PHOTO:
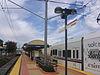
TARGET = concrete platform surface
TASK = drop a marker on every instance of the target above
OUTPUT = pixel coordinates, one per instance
(29, 67)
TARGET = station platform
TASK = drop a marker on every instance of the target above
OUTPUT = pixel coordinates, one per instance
(29, 67)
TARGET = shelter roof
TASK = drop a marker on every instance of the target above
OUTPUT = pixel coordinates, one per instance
(35, 45)
(36, 42)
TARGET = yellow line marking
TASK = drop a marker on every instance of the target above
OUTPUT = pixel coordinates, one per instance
(16, 68)
(87, 73)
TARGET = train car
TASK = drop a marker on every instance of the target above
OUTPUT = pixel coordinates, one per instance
(92, 53)
(18, 52)
(83, 53)
(74, 53)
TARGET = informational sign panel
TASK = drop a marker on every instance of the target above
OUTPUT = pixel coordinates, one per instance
(92, 55)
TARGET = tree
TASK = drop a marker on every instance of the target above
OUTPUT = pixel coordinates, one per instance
(11, 46)
(1, 42)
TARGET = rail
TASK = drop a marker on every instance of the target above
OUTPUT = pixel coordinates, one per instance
(4, 70)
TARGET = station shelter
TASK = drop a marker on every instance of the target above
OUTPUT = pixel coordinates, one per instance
(34, 48)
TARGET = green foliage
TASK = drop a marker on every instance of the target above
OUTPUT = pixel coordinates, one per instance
(46, 67)
(1, 42)
(11, 46)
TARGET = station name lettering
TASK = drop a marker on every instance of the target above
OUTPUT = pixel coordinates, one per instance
(94, 44)
(94, 54)
(93, 50)
(94, 66)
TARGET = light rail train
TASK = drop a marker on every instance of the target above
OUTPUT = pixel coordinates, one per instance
(83, 53)
(19, 51)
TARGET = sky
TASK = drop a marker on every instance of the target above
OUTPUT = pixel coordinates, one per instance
(22, 26)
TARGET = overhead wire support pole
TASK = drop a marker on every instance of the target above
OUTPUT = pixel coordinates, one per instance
(45, 33)
(26, 9)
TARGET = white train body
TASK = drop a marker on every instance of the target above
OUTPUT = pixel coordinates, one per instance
(83, 54)
(92, 53)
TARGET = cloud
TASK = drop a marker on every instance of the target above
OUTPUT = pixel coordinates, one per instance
(17, 29)
(86, 21)
(28, 27)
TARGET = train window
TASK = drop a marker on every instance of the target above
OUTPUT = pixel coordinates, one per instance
(73, 53)
(55, 51)
(77, 53)
(63, 53)
(59, 53)
(51, 53)
(69, 54)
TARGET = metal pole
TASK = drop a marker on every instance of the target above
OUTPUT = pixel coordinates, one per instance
(45, 34)
(82, 53)
(65, 44)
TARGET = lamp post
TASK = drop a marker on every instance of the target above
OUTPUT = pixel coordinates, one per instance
(64, 13)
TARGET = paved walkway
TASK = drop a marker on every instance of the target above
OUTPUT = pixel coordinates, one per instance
(29, 67)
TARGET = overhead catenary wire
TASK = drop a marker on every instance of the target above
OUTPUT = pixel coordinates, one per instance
(7, 21)
(1, 2)
(3, 32)
(62, 2)
(65, 3)
(53, 17)
(10, 20)
(85, 5)
(82, 6)
(48, 1)
(11, 8)
(26, 9)
(3, 35)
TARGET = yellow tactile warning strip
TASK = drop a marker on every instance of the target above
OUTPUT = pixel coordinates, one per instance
(16, 68)
(87, 73)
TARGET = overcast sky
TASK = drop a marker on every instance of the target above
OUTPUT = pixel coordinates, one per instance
(21, 26)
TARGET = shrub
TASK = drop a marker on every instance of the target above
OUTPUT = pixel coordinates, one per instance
(46, 67)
